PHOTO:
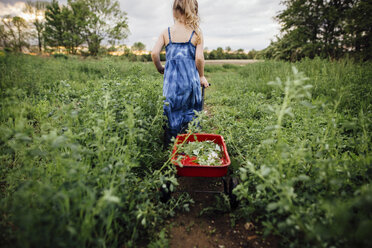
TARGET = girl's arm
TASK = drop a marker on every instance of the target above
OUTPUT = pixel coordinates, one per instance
(155, 53)
(199, 59)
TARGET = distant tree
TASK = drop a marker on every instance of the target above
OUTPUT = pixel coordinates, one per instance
(220, 53)
(138, 46)
(75, 16)
(20, 24)
(240, 50)
(4, 37)
(54, 25)
(90, 21)
(324, 28)
(252, 54)
(14, 32)
(37, 12)
(112, 49)
(301, 21)
(64, 25)
(126, 51)
(206, 54)
(359, 30)
(105, 21)
(213, 55)
(228, 49)
(332, 28)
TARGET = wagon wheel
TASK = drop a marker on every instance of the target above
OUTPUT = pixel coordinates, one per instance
(225, 186)
(165, 192)
(233, 199)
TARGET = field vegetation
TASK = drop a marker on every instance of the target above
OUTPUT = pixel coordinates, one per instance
(300, 139)
(82, 160)
(81, 148)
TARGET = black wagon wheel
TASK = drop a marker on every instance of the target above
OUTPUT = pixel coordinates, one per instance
(225, 185)
(165, 192)
(233, 182)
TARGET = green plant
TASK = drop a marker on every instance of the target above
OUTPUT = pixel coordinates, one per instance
(205, 152)
(80, 154)
(82, 162)
(300, 151)
(60, 55)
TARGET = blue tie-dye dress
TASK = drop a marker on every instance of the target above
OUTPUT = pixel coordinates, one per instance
(181, 86)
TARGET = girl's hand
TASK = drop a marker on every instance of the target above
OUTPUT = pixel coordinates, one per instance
(204, 82)
(155, 53)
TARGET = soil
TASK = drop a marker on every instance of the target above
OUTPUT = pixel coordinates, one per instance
(212, 228)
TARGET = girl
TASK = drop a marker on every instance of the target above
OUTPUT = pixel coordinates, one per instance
(184, 68)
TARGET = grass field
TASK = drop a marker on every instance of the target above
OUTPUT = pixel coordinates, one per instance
(82, 159)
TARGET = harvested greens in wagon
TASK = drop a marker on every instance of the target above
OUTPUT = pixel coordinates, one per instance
(202, 152)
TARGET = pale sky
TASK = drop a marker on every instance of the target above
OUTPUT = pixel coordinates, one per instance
(246, 24)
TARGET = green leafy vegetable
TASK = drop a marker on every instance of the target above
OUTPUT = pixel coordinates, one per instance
(206, 152)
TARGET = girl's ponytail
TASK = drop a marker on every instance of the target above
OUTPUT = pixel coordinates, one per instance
(188, 11)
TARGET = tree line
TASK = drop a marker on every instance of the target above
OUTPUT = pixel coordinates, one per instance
(79, 22)
(214, 54)
(310, 28)
(323, 28)
(228, 53)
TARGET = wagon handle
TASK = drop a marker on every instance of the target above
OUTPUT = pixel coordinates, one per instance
(203, 89)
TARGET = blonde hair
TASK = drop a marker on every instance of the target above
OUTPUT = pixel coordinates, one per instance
(189, 11)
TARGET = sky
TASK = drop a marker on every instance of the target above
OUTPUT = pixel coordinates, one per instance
(246, 24)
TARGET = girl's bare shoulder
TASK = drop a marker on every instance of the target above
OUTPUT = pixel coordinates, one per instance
(165, 36)
(165, 31)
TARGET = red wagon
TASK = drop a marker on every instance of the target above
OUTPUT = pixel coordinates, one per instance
(189, 168)
(192, 169)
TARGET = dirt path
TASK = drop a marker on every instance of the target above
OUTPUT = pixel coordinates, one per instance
(226, 61)
(213, 228)
(209, 222)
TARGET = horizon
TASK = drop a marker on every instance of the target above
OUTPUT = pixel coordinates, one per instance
(244, 25)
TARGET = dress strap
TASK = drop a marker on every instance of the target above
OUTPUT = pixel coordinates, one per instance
(192, 34)
(170, 40)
